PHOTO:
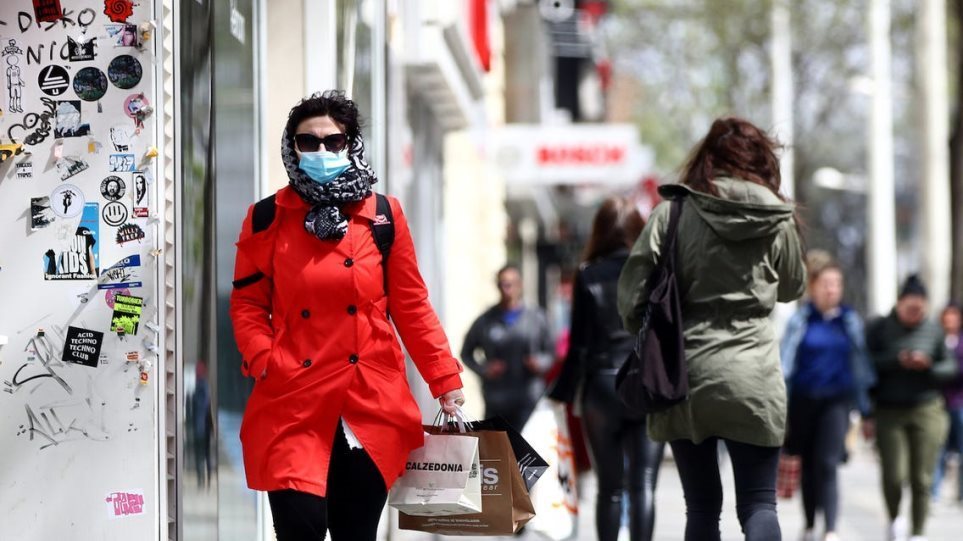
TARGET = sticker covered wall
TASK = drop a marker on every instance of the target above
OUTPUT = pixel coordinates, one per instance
(78, 270)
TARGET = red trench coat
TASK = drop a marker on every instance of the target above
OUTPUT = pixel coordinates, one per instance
(315, 334)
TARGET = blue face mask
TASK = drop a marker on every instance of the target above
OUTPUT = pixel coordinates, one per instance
(323, 166)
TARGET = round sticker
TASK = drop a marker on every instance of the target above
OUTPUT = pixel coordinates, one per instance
(114, 213)
(124, 71)
(134, 104)
(111, 293)
(67, 201)
(112, 188)
(90, 84)
(53, 80)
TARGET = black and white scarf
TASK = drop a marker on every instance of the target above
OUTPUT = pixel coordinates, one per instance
(325, 219)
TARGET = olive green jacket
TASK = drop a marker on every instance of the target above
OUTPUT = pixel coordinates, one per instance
(738, 255)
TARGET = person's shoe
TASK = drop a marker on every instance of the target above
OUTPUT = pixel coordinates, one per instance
(808, 535)
(830, 536)
(897, 530)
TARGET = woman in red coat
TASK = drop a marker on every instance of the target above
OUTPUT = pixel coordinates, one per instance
(331, 419)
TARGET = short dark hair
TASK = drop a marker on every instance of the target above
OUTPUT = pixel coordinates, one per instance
(508, 267)
(332, 103)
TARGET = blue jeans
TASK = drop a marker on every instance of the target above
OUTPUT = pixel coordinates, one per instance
(954, 442)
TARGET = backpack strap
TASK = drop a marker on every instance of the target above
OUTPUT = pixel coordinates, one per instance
(672, 233)
(383, 231)
(263, 214)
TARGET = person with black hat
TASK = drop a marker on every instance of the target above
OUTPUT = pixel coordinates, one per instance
(911, 361)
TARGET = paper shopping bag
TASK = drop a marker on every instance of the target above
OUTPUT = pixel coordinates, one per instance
(506, 506)
(441, 478)
(555, 497)
(530, 463)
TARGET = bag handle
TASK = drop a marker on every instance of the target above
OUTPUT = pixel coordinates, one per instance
(460, 419)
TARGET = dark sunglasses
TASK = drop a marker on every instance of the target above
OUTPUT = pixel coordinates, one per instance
(307, 142)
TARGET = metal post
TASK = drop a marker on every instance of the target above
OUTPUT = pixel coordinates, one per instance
(881, 263)
(931, 60)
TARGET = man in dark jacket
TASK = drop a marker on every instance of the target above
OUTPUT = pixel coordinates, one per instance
(912, 363)
(509, 347)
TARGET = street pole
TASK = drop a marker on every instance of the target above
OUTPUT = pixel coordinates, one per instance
(931, 60)
(881, 263)
(782, 118)
(782, 91)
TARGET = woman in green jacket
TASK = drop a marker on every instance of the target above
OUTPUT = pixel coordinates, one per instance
(738, 254)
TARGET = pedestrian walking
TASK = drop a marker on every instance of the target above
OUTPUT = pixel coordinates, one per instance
(912, 363)
(739, 253)
(828, 374)
(510, 347)
(953, 394)
(331, 420)
(598, 346)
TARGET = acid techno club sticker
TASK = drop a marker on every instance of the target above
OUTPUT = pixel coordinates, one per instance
(90, 84)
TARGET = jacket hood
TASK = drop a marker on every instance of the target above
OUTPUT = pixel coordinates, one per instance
(745, 210)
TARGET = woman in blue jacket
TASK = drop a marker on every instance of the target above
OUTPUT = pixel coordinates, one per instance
(828, 373)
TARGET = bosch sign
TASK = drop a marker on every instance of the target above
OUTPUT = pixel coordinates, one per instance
(570, 154)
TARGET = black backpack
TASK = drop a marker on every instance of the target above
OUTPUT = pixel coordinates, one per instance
(383, 232)
(656, 375)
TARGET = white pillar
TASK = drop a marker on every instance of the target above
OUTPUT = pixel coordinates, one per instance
(782, 91)
(931, 61)
(881, 244)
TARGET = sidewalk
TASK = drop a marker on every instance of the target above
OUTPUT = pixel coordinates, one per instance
(862, 514)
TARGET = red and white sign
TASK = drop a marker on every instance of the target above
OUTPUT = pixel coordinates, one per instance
(570, 154)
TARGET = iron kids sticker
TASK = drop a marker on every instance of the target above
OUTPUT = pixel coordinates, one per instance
(79, 259)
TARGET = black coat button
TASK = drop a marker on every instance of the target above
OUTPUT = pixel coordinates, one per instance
(348, 262)
(353, 359)
(306, 363)
(352, 309)
(305, 313)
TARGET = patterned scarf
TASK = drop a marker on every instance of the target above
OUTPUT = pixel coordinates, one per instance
(325, 219)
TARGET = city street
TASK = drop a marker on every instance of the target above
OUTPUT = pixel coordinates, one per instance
(862, 515)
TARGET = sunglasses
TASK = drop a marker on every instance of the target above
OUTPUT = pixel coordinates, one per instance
(307, 142)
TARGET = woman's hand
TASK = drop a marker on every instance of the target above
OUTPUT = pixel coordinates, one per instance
(451, 401)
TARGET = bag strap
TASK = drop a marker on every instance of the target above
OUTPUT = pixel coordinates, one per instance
(263, 214)
(383, 231)
(672, 234)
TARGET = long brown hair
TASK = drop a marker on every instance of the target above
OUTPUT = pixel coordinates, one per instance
(734, 147)
(616, 225)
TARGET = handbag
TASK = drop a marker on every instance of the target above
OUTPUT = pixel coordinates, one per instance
(655, 376)
(506, 505)
(530, 463)
(441, 478)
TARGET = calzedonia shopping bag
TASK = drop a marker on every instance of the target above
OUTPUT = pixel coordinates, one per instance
(506, 506)
(442, 477)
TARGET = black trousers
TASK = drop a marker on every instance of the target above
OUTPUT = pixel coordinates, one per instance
(817, 429)
(355, 498)
(616, 445)
(754, 469)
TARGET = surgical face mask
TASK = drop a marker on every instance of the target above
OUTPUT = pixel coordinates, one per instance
(323, 166)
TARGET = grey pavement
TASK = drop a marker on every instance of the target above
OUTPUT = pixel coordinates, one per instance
(862, 514)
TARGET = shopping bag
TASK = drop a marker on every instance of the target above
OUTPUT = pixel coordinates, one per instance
(530, 463)
(787, 477)
(506, 506)
(555, 498)
(441, 478)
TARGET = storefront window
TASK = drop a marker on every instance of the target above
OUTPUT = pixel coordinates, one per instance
(361, 68)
